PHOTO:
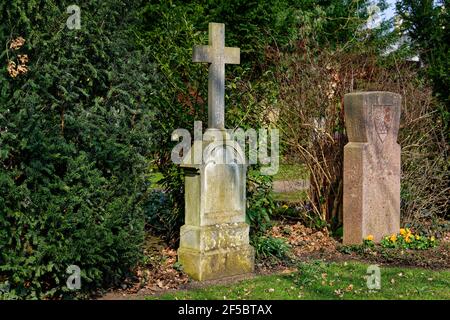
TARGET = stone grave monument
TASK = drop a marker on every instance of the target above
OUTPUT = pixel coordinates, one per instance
(214, 241)
(371, 166)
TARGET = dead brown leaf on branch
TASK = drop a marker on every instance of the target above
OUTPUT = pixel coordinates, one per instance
(20, 67)
(17, 43)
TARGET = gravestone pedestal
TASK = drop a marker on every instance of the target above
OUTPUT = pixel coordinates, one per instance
(214, 242)
(371, 166)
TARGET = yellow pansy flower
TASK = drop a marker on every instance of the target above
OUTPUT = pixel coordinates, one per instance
(393, 238)
(369, 237)
(402, 231)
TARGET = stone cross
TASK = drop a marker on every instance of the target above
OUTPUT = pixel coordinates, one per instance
(217, 55)
(214, 240)
(371, 166)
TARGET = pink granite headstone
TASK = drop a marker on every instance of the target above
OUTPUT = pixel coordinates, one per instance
(371, 166)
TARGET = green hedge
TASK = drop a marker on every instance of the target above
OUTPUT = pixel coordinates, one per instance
(75, 137)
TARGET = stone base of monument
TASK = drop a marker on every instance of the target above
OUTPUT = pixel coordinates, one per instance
(218, 263)
(372, 201)
(214, 242)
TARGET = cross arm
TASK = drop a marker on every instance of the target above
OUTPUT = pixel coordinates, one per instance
(201, 54)
(232, 55)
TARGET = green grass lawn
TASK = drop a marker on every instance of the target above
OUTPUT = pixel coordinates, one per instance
(292, 172)
(318, 280)
(295, 196)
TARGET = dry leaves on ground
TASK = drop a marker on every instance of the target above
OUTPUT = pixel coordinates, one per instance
(303, 239)
(159, 274)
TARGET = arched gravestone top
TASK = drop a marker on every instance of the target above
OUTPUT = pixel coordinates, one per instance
(216, 146)
(224, 152)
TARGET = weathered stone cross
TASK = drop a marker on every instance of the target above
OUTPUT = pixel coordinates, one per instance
(217, 55)
(214, 240)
